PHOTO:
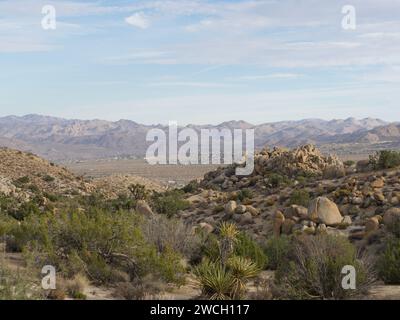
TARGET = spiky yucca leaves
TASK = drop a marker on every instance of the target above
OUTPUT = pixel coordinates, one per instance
(216, 281)
(228, 234)
(242, 271)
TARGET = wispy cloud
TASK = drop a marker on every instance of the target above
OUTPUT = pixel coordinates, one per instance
(139, 20)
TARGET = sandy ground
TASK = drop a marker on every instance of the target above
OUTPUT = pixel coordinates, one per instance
(165, 174)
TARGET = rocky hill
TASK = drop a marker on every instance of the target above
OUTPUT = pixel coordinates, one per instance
(24, 175)
(290, 193)
(62, 139)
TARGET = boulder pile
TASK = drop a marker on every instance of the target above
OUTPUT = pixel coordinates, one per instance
(306, 161)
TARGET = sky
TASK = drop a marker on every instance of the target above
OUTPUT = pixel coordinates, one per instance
(199, 61)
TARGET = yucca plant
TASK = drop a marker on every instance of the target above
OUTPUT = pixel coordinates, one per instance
(216, 281)
(228, 233)
(242, 270)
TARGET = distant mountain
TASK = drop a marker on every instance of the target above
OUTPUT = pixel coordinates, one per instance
(62, 139)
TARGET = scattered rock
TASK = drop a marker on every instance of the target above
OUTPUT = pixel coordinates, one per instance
(230, 207)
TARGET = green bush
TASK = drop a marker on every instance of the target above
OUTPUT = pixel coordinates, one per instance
(246, 247)
(385, 159)
(169, 203)
(245, 194)
(389, 263)
(191, 187)
(48, 178)
(313, 269)
(349, 163)
(300, 197)
(102, 244)
(277, 180)
(277, 249)
(20, 182)
(139, 192)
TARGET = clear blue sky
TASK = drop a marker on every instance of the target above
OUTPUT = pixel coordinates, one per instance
(198, 61)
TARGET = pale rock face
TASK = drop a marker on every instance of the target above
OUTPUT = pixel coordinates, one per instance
(230, 207)
(241, 209)
(378, 183)
(254, 212)
(323, 210)
(371, 225)
(206, 227)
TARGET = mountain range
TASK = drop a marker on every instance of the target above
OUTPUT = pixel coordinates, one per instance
(61, 139)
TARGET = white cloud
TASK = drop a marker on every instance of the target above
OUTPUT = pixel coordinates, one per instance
(138, 20)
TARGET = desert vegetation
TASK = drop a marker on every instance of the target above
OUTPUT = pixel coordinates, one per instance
(285, 232)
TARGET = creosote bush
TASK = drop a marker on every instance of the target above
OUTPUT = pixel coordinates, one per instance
(300, 197)
(313, 269)
(389, 262)
(107, 247)
(385, 159)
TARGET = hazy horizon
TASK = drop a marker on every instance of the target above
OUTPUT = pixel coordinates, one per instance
(196, 123)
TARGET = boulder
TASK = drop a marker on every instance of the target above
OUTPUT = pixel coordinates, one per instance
(240, 209)
(246, 218)
(323, 210)
(252, 210)
(372, 224)
(206, 227)
(230, 207)
(391, 216)
(296, 211)
(378, 183)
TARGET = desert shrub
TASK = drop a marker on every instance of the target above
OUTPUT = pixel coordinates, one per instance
(169, 203)
(171, 233)
(191, 187)
(75, 287)
(48, 178)
(246, 247)
(20, 182)
(123, 202)
(245, 194)
(99, 243)
(389, 263)
(139, 192)
(25, 210)
(139, 289)
(277, 180)
(17, 285)
(314, 265)
(300, 197)
(277, 249)
(333, 172)
(7, 204)
(385, 159)
(349, 163)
